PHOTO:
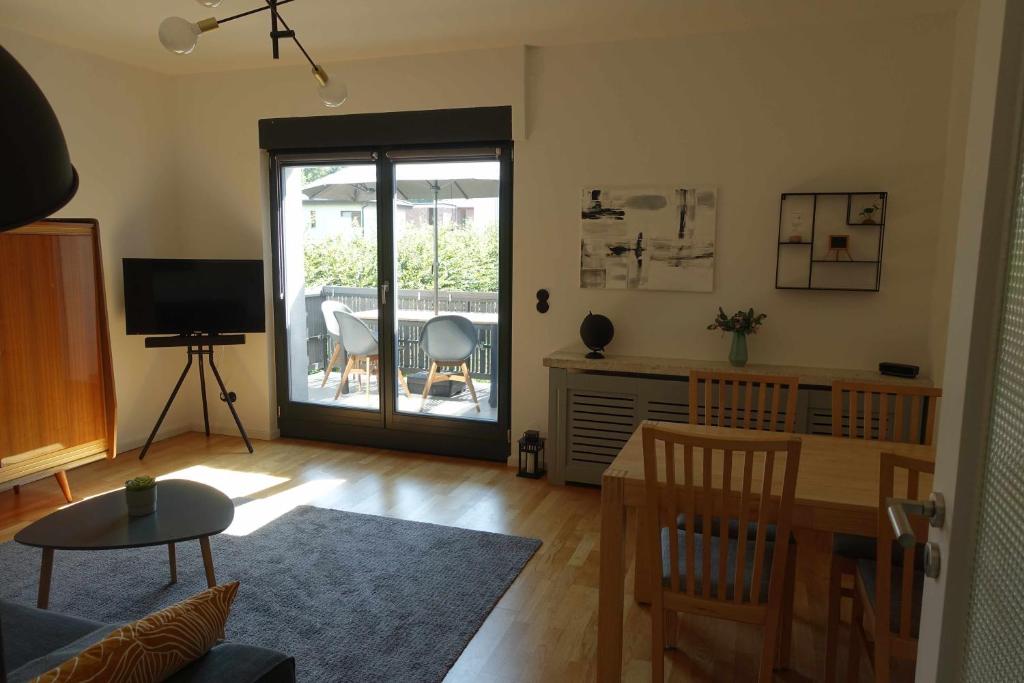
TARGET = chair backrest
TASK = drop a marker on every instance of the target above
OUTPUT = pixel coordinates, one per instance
(726, 399)
(448, 338)
(356, 337)
(751, 480)
(894, 485)
(887, 412)
(328, 308)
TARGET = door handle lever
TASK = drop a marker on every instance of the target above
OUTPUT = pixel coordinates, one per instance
(898, 508)
(384, 287)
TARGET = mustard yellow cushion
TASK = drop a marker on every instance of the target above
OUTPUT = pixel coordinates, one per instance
(155, 647)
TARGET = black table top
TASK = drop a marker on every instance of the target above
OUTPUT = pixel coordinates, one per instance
(185, 510)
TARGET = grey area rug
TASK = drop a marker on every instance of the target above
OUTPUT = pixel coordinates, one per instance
(352, 597)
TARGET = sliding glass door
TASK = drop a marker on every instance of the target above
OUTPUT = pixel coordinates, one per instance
(392, 269)
(446, 242)
(328, 235)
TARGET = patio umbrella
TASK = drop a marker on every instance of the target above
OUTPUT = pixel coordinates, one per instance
(415, 183)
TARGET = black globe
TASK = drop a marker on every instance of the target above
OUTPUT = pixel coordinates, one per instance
(597, 332)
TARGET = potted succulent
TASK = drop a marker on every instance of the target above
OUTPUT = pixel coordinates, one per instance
(740, 323)
(141, 495)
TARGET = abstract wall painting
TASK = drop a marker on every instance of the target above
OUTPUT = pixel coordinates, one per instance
(656, 238)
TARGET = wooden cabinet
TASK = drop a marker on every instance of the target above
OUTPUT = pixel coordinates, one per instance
(57, 405)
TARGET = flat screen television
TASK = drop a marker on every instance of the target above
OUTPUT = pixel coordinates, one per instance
(183, 296)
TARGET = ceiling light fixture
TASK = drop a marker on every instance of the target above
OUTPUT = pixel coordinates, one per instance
(181, 36)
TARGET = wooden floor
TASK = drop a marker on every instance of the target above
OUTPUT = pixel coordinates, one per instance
(545, 627)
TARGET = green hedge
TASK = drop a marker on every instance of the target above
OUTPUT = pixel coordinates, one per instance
(468, 260)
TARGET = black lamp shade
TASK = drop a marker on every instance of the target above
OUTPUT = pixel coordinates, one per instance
(40, 178)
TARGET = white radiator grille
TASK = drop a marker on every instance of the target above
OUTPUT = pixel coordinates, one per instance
(667, 411)
(599, 425)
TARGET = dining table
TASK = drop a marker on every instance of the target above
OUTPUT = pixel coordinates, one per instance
(478, 318)
(836, 492)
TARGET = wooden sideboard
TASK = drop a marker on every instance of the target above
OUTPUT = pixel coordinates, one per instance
(57, 405)
(595, 405)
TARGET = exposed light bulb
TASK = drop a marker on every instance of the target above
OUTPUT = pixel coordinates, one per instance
(210, 3)
(181, 35)
(333, 92)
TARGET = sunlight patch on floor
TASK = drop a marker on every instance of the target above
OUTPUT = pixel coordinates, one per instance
(232, 483)
(253, 515)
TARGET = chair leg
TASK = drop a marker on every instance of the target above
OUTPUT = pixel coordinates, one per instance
(883, 651)
(671, 628)
(430, 379)
(786, 627)
(403, 383)
(468, 379)
(657, 640)
(835, 606)
(344, 376)
(367, 375)
(330, 364)
(769, 648)
(65, 487)
(642, 573)
(856, 623)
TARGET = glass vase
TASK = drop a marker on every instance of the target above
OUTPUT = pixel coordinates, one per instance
(738, 350)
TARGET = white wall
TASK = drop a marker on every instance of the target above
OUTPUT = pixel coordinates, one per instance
(838, 109)
(118, 125)
(224, 185)
(956, 141)
(755, 113)
(826, 108)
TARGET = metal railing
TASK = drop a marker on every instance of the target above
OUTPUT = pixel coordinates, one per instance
(410, 356)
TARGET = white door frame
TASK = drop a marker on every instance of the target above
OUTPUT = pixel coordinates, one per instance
(990, 167)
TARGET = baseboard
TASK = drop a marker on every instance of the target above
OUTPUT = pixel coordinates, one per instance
(130, 443)
(231, 430)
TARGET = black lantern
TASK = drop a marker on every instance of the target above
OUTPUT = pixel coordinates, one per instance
(531, 455)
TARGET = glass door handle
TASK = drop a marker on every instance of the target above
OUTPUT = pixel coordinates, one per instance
(384, 287)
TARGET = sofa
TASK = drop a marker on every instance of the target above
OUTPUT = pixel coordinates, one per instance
(35, 641)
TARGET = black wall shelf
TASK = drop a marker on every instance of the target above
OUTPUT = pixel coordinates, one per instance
(833, 228)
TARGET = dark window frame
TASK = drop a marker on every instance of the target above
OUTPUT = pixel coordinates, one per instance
(294, 142)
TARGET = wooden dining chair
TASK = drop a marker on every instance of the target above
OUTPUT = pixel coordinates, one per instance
(706, 572)
(887, 594)
(885, 412)
(744, 401)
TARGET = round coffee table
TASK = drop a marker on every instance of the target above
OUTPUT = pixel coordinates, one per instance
(185, 511)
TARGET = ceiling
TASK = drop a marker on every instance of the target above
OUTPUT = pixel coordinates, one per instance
(335, 30)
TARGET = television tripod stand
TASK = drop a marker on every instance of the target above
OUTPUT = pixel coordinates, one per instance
(198, 346)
